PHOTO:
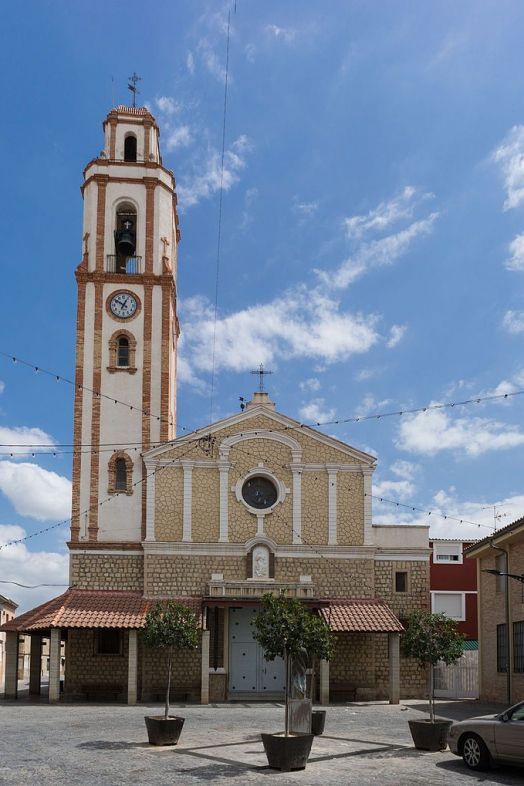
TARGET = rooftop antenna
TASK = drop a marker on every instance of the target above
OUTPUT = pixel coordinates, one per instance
(134, 89)
(261, 373)
(497, 516)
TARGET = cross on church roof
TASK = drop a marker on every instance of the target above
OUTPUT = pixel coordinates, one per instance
(261, 372)
(134, 89)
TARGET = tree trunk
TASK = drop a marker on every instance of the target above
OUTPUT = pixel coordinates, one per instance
(169, 662)
(287, 662)
(431, 693)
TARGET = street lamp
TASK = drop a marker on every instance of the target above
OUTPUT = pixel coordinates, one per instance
(516, 576)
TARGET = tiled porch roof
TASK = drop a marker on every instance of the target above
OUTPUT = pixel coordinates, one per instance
(361, 616)
(80, 608)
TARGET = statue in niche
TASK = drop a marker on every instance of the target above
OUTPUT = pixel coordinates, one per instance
(260, 562)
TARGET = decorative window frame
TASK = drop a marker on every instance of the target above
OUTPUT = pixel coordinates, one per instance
(434, 602)
(261, 471)
(111, 471)
(113, 366)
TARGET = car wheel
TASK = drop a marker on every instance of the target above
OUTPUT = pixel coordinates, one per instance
(475, 753)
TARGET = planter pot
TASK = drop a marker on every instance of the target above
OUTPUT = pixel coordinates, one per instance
(429, 736)
(163, 731)
(287, 753)
(318, 720)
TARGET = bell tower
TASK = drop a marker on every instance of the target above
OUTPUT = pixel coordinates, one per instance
(127, 330)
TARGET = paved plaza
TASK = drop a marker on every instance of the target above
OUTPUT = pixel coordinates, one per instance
(106, 745)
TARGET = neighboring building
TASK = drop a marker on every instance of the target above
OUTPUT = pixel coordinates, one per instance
(501, 613)
(453, 584)
(253, 503)
(7, 611)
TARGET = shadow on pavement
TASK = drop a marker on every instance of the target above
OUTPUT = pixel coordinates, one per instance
(506, 775)
(108, 745)
(457, 710)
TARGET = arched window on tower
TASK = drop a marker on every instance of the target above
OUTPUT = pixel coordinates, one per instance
(130, 148)
(120, 474)
(122, 352)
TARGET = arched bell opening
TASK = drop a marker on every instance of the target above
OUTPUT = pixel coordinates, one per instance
(125, 237)
(130, 148)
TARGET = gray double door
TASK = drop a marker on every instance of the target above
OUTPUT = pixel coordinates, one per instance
(250, 675)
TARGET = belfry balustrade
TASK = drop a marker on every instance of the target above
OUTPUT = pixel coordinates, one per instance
(131, 266)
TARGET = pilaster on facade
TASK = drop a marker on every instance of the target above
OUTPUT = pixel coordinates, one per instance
(332, 504)
(224, 467)
(150, 503)
(367, 473)
(188, 501)
(296, 470)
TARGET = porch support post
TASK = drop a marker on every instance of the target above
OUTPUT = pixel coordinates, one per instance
(132, 667)
(204, 689)
(11, 664)
(324, 682)
(394, 668)
(35, 665)
(54, 665)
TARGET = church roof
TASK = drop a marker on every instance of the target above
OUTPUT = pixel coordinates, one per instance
(361, 616)
(81, 608)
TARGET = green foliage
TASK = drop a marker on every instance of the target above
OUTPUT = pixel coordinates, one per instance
(285, 626)
(432, 637)
(171, 625)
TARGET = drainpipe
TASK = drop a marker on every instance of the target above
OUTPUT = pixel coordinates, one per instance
(509, 632)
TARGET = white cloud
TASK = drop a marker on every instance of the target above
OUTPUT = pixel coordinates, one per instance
(250, 198)
(370, 404)
(399, 489)
(510, 156)
(513, 322)
(207, 181)
(378, 253)
(396, 335)
(433, 431)
(167, 105)
(2, 387)
(250, 51)
(300, 323)
(366, 373)
(179, 137)
(34, 491)
(214, 64)
(516, 248)
(190, 63)
(386, 213)
(310, 384)
(286, 34)
(316, 411)
(305, 209)
(23, 435)
(404, 469)
(19, 564)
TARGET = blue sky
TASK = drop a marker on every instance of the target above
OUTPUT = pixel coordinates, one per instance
(372, 239)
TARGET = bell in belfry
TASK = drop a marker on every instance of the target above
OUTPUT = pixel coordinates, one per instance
(125, 239)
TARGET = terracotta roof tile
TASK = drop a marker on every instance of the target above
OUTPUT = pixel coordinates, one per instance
(79, 608)
(361, 615)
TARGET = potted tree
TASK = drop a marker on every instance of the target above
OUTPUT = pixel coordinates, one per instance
(169, 626)
(286, 628)
(428, 639)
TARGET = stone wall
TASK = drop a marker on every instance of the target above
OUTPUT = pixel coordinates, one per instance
(85, 667)
(111, 572)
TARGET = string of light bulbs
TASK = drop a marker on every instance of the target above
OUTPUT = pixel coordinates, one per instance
(204, 430)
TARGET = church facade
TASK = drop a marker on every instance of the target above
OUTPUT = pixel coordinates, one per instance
(254, 503)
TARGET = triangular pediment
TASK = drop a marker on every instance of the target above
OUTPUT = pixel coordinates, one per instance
(262, 420)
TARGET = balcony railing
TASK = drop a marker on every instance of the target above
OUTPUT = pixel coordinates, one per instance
(130, 266)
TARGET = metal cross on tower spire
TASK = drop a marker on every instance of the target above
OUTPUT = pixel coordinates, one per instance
(261, 373)
(134, 89)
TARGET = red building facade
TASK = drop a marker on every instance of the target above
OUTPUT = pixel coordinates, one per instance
(453, 584)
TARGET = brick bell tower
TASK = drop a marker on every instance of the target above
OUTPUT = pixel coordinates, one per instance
(127, 330)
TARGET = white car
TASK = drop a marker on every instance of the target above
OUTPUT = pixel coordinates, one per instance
(490, 738)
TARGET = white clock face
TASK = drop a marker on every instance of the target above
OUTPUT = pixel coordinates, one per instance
(123, 305)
